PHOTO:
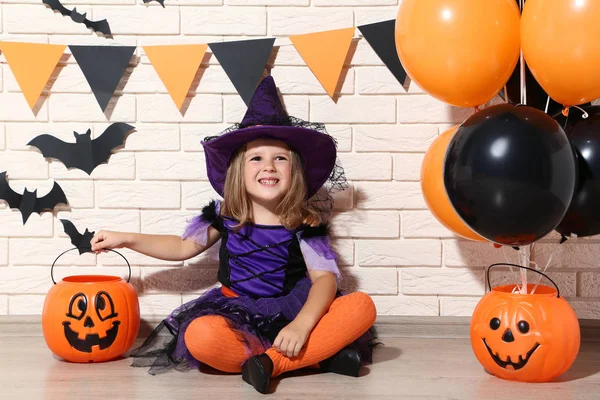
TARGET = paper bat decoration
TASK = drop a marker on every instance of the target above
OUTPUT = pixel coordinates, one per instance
(97, 26)
(85, 154)
(82, 242)
(162, 2)
(28, 202)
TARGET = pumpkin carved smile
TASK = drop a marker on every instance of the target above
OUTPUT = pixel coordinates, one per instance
(524, 334)
(90, 318)
(516, 365)
(92, 339)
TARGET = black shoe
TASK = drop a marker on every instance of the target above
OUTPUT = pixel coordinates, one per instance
(345, 362)
(257, 371)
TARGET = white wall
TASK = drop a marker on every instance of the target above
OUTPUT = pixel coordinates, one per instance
(389, 244)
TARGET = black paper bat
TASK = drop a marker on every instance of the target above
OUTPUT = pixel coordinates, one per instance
(82, 242)
(97, 26)
(28, 202)
(85, 154)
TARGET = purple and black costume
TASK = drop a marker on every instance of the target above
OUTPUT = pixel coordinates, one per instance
(267, 266)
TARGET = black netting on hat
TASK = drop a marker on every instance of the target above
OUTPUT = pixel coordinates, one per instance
(321, 201)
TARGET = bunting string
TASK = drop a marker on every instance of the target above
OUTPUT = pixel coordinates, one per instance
(244, 61)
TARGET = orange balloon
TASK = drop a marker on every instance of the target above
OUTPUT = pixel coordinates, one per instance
(434, 192)
(459, 51)
(561, 46)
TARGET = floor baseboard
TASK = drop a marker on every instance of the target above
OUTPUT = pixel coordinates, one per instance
(386, 325)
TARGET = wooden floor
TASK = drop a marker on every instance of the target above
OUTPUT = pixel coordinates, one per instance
(403, 369)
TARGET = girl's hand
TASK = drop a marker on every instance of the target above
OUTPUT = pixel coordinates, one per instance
(108, 240)
(291, 339)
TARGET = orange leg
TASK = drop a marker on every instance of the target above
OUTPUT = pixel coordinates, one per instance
(212, 342)
(348, 318)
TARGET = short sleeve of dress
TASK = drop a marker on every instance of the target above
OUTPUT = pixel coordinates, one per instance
(197, 228)
(316, 250)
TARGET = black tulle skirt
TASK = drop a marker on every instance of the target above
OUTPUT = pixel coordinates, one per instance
(256, 321)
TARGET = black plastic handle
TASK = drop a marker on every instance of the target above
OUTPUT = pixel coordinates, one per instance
(76, 248)
(520, 266)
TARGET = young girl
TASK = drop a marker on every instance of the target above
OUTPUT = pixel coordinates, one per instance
(278, 308)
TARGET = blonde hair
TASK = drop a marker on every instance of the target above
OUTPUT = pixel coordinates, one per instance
(293, 210)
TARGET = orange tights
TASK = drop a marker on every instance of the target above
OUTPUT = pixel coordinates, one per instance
(211, 341)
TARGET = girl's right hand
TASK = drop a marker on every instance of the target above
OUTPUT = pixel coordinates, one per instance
(104, 240)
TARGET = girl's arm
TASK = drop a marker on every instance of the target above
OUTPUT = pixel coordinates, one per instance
(292, 337)
(163, 247)
(320, 297)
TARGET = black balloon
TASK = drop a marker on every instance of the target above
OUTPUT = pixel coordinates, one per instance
(583, 215)
(510, 174)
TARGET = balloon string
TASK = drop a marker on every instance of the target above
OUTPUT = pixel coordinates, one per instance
(522, 69)
(585, 114)
(547, 105)
(523, 88)
(545, 268)
(507, 259)
(565, 112)
(524, 261)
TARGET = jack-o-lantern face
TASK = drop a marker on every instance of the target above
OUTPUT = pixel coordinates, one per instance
(91, 318)
(525, 337)
(510, 338)
(101, 310)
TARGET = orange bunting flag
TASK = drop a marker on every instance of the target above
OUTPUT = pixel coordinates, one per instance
(32, 64)
(325, 53)
(176, 65)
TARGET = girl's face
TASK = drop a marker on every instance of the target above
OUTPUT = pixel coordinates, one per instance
(267, 170)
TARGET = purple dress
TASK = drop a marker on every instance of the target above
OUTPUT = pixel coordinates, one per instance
(266, 266)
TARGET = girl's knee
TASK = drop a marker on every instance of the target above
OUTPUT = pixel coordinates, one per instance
(211, 341)
(203, 334)
(365, 306)
(359, 305)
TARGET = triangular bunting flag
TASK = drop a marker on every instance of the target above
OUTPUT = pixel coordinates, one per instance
(176, 66)
(382, 39)
(244, 62)
(32, 65)
(325, 53)
(103, 67)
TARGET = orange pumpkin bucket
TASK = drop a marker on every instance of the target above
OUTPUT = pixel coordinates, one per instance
(90, 318)
(525, 337)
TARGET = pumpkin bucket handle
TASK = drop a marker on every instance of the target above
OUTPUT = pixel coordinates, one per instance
(77, 248)
(487, 273)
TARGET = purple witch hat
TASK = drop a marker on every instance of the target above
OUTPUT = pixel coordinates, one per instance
(266, 118)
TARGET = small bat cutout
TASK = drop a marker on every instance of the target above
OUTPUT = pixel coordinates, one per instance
(85, 154)
(162, 2)
(28, 202)
(97, 26)
(82, 242)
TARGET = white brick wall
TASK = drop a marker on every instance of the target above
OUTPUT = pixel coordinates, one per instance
(3, 251)
(388, 243)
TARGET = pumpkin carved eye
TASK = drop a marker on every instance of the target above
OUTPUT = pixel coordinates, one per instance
(77, 306)
(523, 326)
(495, 323)
(105, 306)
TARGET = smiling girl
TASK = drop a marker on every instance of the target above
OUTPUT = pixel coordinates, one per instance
(278, 308)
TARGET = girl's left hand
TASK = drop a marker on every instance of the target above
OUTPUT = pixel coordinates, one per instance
(291, 339)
